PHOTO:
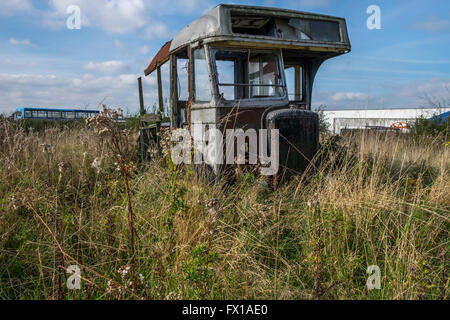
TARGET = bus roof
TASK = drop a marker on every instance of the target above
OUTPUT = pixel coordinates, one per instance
(254, 26)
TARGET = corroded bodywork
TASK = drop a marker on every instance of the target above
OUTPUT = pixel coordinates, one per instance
(237, 60)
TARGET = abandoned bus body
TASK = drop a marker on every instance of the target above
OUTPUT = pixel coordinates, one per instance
(234, 61)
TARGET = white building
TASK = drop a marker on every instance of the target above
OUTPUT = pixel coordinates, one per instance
(361, 119)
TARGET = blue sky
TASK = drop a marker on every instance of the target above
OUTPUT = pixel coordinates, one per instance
(43, 63)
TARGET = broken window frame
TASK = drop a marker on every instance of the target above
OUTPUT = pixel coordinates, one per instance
(217, 84)
(194, 74)
(299, 85)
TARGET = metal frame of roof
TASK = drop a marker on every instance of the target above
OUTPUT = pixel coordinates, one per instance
(216, 26)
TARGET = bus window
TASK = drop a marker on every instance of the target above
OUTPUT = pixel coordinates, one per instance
(54, 114)
(226, 73)
(70, 115)
(295, 82)
(201, 77)
(27, 114)
(80, 115)
(182, 72)
(245, 74)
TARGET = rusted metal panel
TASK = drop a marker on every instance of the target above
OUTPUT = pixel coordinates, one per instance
(190, 78)
(229, 118)
(299, 139)
(160, 91)
(203, 115)
(174, 103)
(143, 142)
(141, 97)
(161, 57)
(254, 42)
(233, 118)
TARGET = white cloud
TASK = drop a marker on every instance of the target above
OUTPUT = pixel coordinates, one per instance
(144, 49)
(60, 91)
(16, 42)
(123, 16)
(433, 24)
(113, 16)
(437, 88)
(11, 7)
(342, 96)
(27, 79)
(113, 66)
(410, 94)
(157, 30)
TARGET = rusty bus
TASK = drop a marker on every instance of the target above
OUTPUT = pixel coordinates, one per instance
(233, 63)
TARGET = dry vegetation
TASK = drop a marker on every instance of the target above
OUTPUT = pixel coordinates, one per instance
(76, 197)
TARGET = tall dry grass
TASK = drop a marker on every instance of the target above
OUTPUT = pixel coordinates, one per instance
(374, 200)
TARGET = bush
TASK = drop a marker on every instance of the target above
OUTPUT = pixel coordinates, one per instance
(42, 125)
(323, 124)
(430, 127)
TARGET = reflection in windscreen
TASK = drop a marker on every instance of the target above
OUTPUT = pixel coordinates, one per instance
(248, 74)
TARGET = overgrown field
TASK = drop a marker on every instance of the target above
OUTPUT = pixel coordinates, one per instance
(75, 196)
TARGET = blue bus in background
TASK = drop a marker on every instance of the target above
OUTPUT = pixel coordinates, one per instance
(53, 114)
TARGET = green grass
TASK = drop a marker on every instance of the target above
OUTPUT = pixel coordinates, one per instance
(375, 199)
